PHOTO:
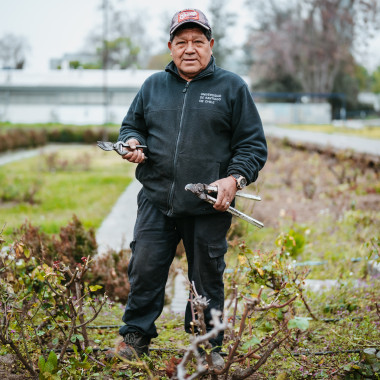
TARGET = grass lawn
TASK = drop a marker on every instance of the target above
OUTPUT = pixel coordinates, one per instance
(49, 189)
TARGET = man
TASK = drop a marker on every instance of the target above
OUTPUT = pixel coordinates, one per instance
(200, 124)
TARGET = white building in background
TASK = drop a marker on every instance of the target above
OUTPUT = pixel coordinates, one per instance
(68, 96)
(370, 98)
(96, 97)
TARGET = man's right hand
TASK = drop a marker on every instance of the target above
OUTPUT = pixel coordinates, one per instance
(134, 155)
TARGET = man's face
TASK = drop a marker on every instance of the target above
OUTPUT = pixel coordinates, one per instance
(191, 52)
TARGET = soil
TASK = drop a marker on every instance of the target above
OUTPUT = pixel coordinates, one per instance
(10, 368)
(302, 186)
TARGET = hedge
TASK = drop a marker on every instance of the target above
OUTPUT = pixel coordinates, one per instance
(21, 138)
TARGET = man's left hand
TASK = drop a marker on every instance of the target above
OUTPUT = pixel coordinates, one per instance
(226, 193)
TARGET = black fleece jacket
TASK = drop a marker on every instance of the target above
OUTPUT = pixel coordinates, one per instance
(197, 131)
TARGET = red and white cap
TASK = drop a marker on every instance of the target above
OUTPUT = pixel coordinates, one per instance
(194, 16)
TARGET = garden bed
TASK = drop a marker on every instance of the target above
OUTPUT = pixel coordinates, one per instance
(316, 207)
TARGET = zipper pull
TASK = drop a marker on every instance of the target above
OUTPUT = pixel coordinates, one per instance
(186, 87)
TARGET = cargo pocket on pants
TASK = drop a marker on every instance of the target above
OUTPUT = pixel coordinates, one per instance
(216, 253)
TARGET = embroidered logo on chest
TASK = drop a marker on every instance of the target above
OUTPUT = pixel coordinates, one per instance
(206, 97)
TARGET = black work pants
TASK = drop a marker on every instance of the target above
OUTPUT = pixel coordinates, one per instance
(156, 237)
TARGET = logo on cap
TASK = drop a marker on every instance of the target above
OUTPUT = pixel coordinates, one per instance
(188, 15)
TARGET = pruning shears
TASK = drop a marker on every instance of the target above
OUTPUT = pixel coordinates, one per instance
(118, 146)
(201, 190)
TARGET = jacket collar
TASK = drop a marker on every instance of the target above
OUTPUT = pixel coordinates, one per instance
(209, 70)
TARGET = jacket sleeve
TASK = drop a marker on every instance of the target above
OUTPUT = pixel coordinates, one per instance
(133, 125)
(248, 143)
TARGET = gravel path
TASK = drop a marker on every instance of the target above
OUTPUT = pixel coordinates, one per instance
(358, 144)
(9, 157)
(116, 231)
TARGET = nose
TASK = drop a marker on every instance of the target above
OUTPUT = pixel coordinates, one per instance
(189, 48)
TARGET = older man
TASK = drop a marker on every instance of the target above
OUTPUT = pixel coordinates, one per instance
(200, 124)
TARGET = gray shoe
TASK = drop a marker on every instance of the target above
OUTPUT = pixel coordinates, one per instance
(134, 342)
(217, 360)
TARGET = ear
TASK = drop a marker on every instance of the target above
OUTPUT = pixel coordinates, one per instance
(169, 45)
(212, 43)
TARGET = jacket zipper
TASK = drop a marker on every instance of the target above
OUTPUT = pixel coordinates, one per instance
(176, 150)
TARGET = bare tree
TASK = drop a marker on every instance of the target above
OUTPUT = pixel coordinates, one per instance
(310, 40)
(221, 21)
(13, 50)
(124, 44)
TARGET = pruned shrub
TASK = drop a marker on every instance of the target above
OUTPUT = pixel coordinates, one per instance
(110, 270)
(73, 242)
(70, 246)
(45, 309)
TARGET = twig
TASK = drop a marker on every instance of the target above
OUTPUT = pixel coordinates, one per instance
(53, 317)
(137, 363)
(276, 306)
(253, 353)
(235, 308)
(307, 306)
(96, 361)
(66, 343)
(193, 349)
(53, 290)
(95, 315)
(21, 324)
(82, 326)
(72, 275)
(3, 228)
(18, 354)
(248, 307)
(243, 374)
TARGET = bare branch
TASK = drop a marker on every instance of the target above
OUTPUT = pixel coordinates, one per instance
(193, 349)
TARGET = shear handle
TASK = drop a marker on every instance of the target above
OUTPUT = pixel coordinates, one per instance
(120, 145)
(238, 193)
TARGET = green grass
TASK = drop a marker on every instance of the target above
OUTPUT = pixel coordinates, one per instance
(80, 180)
(366, 132)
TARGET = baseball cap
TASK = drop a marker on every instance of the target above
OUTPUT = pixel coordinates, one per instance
(194, 16)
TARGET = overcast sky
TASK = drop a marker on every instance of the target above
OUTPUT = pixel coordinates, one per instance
(56, 27)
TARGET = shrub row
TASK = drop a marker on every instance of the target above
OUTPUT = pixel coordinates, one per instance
(21, 138)
(83, 136)
(70, 247)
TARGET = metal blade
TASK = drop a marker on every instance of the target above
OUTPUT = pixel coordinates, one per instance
(238, 213)
(248, 196)
(199, 188)
(105, 145)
